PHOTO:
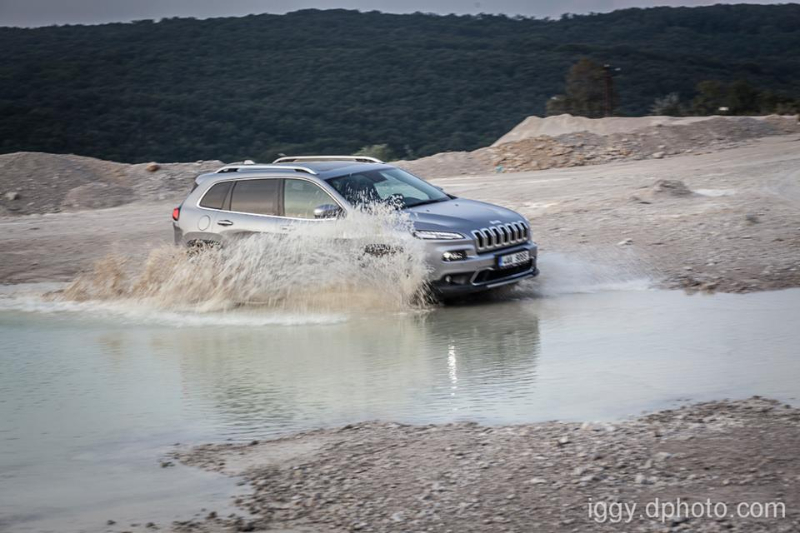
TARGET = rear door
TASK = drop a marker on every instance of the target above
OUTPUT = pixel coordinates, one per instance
(252, 206)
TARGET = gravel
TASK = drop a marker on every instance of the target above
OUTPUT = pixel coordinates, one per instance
(387, 477)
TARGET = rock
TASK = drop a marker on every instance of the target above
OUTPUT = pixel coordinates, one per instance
(153, 167)
(626, 242)
(537, 481)
(12, 195)
(752, 218)
(658, 155)
(671, 188)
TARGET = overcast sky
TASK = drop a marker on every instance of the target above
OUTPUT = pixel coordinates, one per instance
(46, 12)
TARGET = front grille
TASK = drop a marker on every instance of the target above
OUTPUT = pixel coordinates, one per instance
(500, 236)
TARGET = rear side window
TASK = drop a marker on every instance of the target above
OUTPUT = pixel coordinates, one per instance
(215, 197)
(301, 197)
(259, 197)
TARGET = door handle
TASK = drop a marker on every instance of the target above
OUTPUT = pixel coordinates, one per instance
(225, 223)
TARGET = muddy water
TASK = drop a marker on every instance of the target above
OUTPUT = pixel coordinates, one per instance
(92, 395)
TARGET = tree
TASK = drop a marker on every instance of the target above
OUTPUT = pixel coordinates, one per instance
(586, 89)
(742, 98)
(711, 95)
(669, 105)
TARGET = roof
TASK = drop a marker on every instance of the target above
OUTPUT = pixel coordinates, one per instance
(322, 169)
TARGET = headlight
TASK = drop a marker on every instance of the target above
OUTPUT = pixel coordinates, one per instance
(438, 235)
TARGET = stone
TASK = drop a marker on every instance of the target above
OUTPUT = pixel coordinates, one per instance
(671, 188)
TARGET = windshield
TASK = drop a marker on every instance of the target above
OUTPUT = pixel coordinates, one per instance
(390, 186)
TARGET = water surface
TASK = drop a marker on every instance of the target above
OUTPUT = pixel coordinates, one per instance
(91, 398)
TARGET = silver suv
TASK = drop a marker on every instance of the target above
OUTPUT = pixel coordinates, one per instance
(470, 246)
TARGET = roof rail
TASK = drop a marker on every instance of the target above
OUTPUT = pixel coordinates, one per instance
(356, 158)
(255, 168)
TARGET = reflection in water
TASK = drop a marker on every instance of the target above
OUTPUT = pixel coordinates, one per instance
(435, 366)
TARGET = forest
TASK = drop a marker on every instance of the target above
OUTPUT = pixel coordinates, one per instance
(334, 81)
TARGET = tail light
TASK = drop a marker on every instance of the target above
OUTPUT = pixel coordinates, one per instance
(176, 213)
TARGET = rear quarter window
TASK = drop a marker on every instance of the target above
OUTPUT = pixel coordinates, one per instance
(215, 197)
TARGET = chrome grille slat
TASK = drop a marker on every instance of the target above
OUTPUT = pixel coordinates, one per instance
(500, 236)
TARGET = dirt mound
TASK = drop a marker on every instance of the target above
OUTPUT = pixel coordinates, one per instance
(97, 195)
(555, 126)
(565, 124)
(446, 164)
(653, 142)
(567, 141)
(48, 183)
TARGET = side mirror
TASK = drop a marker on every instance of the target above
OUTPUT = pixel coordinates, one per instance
(328, 211)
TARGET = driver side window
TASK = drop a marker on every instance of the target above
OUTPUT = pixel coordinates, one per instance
(301, 197)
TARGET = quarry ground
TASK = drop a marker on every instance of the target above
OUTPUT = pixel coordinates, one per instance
(464, 477)
(736, 229)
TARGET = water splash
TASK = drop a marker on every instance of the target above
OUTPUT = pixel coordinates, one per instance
(321, 266)
(593, 272)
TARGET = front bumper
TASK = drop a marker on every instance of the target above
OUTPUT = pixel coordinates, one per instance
(478, 272)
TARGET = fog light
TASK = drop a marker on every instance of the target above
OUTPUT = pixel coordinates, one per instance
(458, 255)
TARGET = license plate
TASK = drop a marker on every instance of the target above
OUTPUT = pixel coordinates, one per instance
(510, 260)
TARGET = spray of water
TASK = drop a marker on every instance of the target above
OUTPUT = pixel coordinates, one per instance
(594, 271)
(368, 260)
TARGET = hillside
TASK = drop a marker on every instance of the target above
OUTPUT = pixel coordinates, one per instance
(334, 81)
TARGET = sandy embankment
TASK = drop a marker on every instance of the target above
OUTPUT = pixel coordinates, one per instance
(386, 477)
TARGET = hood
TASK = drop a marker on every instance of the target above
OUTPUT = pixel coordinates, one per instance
(460, 215)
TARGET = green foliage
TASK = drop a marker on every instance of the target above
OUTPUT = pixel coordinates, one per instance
(586, 89)
(334, 81)
(711, 96)
(740, 98)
